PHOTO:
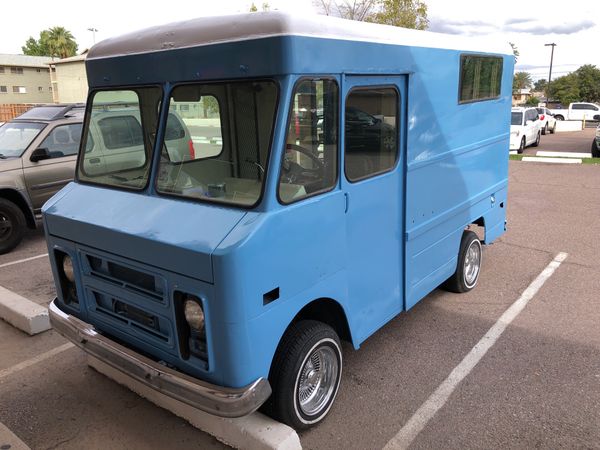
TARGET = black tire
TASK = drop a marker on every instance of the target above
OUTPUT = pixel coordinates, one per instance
(595, 149)
(537, 140)
(545, 129)
(12, 225)
(295, 353)
(461, 280)
(521, 148)
(559, 117)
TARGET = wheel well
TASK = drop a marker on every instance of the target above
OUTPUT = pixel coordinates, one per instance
(328, 311)
(18, 200)
(480, 223)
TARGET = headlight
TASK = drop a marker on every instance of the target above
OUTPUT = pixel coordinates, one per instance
(67, 267)
(193, 314)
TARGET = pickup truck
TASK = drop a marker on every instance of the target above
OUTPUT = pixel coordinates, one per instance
(577, 111)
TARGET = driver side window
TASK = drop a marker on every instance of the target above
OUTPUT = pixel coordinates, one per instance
(309, 165)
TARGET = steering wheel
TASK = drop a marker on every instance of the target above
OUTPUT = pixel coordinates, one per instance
(296, 174)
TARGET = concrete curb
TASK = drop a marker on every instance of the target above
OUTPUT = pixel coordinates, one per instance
(22, 313)
(9, 440)
(563, 154)
(253, 432)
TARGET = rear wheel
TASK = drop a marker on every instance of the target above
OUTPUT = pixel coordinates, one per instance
(12, 225)
(537, 140)
(559, 117)
(305, 375)
(469, 265)
(545, 129)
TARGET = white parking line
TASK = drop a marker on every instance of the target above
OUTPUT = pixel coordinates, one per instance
(564, 154)
(23, 260)
(439, 398)
(37, 359)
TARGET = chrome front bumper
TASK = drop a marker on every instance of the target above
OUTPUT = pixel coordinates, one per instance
(216, 400)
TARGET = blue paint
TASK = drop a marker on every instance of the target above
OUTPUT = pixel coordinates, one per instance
(374, 248)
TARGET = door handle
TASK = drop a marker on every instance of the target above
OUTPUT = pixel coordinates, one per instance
(94, 160)
(347, 199)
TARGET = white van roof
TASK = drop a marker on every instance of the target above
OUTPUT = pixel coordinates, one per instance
(241, 27)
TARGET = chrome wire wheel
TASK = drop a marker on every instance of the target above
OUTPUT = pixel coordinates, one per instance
(318, 379)
(472, 263)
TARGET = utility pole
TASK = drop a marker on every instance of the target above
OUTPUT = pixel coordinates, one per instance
(550, 74)
(94, 30)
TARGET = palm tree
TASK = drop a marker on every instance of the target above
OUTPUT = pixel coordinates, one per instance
(521, 80)
(60, 42)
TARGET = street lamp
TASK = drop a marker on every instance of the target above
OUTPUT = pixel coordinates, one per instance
(550, 74)
(93, 30)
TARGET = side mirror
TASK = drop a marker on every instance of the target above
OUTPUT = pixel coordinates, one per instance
(39, 154)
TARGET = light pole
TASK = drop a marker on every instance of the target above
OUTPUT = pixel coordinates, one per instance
(93, 30)
(550, 74)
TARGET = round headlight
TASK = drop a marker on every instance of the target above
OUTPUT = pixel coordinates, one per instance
(67, 267)
(194, 314)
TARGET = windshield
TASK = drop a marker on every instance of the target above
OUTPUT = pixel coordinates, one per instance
(516, 118)
(15, 137)
(217, 141)
(118, 137)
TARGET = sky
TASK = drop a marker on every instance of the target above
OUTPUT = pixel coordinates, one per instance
(573, 25)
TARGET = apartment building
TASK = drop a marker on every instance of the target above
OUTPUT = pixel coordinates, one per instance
(25, 79)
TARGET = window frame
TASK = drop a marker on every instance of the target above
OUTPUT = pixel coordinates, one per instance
(463, 56)
(397, 159)
(86, 123)
(216, 201)
(56, 127)
(287, 127)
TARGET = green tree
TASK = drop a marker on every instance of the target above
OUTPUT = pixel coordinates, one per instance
(565, 89)
(533, 101)
(56, 42)
(253, 8)
(402, 13)
(521, 80)
(540, 85)
(588, 77)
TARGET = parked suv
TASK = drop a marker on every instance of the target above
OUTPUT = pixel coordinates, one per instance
(38, 151)
(525, 128)
(547, 120)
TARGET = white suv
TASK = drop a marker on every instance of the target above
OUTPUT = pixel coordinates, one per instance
(525, 128)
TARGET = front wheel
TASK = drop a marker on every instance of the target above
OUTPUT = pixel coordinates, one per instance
(12, 225)
(522, 146)
(469, 264)
(595, 149)
(305, 375)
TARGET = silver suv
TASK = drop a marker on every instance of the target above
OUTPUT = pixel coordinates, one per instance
(38, 153)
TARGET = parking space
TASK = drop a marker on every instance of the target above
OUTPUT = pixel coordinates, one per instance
(536, 387)
(568, 141)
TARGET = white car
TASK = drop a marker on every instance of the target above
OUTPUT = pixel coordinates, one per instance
(525, 128)
(548, 122)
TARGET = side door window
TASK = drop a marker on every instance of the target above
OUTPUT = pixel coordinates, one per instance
(63, 140)
(371, 132)
(309, 165)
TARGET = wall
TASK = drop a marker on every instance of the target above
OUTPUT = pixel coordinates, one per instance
(71, 82)
(32, 79)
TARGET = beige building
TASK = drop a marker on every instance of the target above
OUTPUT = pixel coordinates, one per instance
(25, 79)
(69, 79)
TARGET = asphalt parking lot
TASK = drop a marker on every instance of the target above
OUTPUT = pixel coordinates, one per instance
(570, 142)
(537, 386)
